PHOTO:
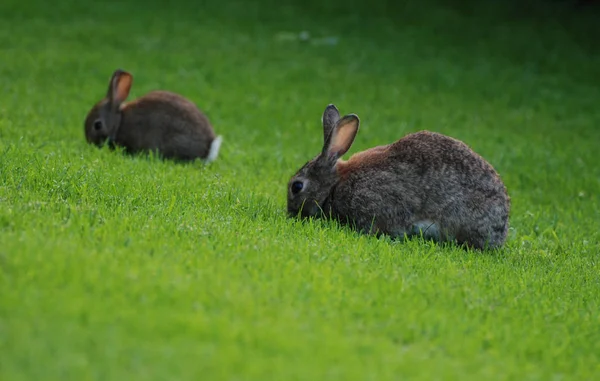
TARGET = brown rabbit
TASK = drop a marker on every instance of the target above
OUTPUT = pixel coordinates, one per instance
(159, 121)
(425, 183)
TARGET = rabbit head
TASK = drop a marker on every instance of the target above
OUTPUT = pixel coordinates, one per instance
(103, 120)
(309, 189)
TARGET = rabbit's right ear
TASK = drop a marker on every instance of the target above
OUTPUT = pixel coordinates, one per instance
(342, 137)
(119, 87)
(331, 115)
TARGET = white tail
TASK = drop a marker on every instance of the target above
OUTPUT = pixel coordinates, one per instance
(214, 149)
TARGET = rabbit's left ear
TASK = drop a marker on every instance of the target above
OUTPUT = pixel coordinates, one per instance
(120, 85)
(330, 117)
(342, 136)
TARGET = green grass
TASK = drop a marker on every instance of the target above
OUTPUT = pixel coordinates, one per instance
(122, 268)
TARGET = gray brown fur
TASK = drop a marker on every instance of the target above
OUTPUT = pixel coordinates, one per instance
(160, 121)
(391, 189)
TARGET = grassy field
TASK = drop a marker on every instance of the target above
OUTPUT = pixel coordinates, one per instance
(131, 268)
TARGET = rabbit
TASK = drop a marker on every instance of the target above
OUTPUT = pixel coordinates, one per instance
(160, 121)
(424, 184)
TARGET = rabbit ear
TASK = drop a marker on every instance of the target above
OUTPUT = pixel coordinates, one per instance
(119, 87)
(342, 136)
(331, 115)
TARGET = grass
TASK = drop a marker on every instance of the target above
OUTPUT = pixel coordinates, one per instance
(117, 267)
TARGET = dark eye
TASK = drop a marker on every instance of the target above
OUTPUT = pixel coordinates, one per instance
(297, 186)
(98, 125)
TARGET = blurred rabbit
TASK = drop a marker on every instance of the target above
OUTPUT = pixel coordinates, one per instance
(425, 183)
(159, 121)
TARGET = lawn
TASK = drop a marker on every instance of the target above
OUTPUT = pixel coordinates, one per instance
(115, 267)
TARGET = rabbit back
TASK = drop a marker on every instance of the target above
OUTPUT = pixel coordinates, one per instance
(168, 123)
(424, 179)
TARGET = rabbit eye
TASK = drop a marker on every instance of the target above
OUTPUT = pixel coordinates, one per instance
(98, 125)
(297, 186)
